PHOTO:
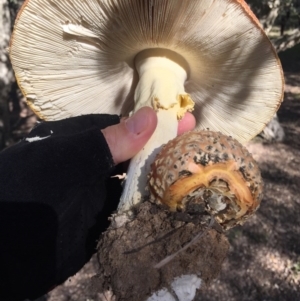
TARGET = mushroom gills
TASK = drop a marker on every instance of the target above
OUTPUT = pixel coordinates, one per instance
(229, 191)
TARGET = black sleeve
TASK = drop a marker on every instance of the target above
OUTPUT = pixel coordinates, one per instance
(53, 189)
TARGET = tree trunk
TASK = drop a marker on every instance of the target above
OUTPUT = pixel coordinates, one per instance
(6, 74)
(269, 21)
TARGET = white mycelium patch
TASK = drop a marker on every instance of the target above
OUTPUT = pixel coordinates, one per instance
(183, 287)
(161, 295)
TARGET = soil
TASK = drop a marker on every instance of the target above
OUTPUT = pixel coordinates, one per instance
(128, 254)
(264, 258)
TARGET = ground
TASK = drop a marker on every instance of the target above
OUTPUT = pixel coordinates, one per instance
(264, 258)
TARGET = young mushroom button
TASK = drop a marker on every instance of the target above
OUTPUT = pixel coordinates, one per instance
(209, 168)
(211, 57)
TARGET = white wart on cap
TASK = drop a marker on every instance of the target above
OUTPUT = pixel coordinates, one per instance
(81, 56)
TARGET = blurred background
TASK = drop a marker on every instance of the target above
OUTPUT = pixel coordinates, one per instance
(264, 260)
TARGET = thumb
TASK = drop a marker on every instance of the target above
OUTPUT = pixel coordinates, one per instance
(128, 137)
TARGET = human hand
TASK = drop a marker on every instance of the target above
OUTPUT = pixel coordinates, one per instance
(129, 136)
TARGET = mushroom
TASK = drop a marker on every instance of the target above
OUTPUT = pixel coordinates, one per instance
(115, 56)
(207, 168)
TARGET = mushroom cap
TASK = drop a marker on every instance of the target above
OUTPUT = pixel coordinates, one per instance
(77, 57)
(207, 168)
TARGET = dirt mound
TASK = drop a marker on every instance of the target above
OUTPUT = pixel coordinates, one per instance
(128, 255)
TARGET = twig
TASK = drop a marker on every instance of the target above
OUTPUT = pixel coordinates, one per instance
(194, 240)
(154, 241)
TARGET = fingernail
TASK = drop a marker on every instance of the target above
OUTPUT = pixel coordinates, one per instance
(138, 122)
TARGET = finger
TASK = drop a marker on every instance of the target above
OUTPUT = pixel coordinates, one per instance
(187, 123)
(128, 137)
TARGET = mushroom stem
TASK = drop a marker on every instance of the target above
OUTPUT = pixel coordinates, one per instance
(161, 86)
(139, 167)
